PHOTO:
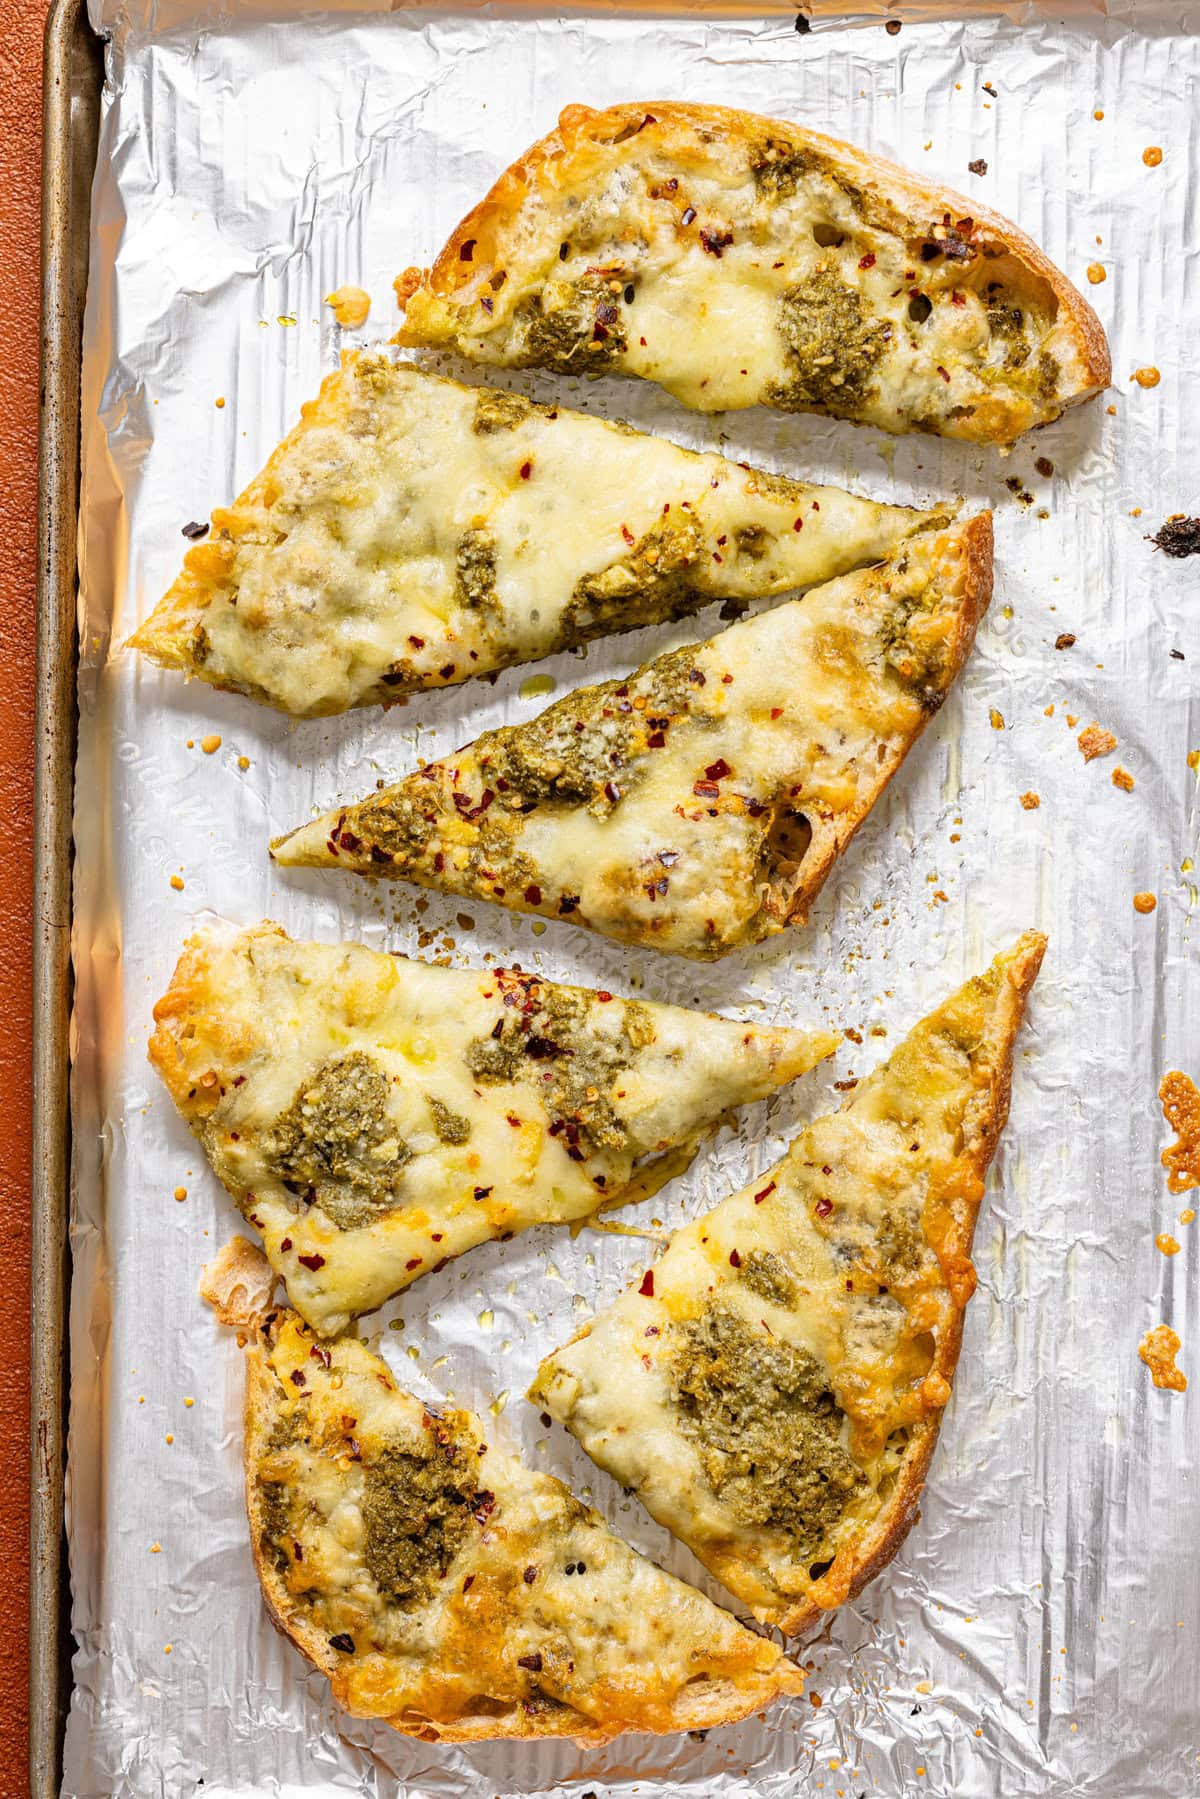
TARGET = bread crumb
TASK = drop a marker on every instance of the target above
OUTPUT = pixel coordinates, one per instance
(1187, 1216)
(1048, 711)
(170, 1437)
(1111, 411)
(1166, 1243)
(1152, 156)
(997, 719)
(1193, 758)
(1031, 801)
(1122, 778)
(1158, 1349)
(1099, 113)
(350, 306)
(1144, 902)
(211, 744)
(243, 761)
(177, 883)
(156, 1548)
(189, 1403)
(221, 404)
(1072, 719)
(181, 1193)
(1181, 1111)
(166, 1648)
(1147, 377)
(1096, 273)
(1095, 741)
(1064, 640)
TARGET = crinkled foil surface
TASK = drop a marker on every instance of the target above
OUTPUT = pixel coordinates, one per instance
(1040, 1632)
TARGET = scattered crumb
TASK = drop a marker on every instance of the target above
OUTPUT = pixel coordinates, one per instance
(189, 1403)
(220, 404)
(1179, 536)
(1158, 1349)
(1152, 156)
(1049, 711)
(1099, 113)
(211, 744)
(1181, 1110)
(1031, 801)
(1064, 640)
(243, 762)
(1072, 719)
(978, 167)
(1144, 903)
(1111, 411)
(1044, 467)
(893, 27)
(238, 1284)
(997, 719)
(177, 883)
(1193, 758)
(181, 1193)
(1147, 377)
(1122, 778)
(1095, 741)
(1187, 1216)
(170, 1437)
(156, 1548)
(1096, 273)
(350, 306)
(166, 1648)
(1166, 1243)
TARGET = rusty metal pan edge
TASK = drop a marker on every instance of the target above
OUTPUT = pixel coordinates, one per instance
(73, 74)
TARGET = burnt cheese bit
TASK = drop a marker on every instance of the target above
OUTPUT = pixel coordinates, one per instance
(1178, 536)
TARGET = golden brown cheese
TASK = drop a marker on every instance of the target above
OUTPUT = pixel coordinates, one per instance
(772, 1388)
(373, 1117)
(743, 261)
(448, 1590)
(700, 804)
(411, 532)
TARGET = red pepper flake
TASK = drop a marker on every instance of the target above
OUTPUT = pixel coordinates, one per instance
(313, 1261)
(488, 304)
(466, 250)
(568, 903)
(717, 771)
(513, 1120)
(824, 1207)
(526, 470)
(867, 261)
(798, 524)
(286, 1244)
(529, 1576)
(715, 242)
(484, 1506)
(345, 1642)
(468, 1583)
(533, 895)
(298, 1377)
(706, 790)
(627, 534)
(763, 1193)
(647, 1287)
(317, 1354)
(482, 1192)
(414, 1262)
(943, 372)
(496, 281)
(776, 711)
(735, 1260)
(532, 1662)
(439, 862)
(689, 214)
(655, 741)
(604, 995)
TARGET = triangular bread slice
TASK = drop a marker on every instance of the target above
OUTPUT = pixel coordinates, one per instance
(772, 1388)
(443, 1587)
(410, 533)
(373, 1117)
(743, 261)
(700, 804)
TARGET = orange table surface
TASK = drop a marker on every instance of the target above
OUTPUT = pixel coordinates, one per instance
(21, 26)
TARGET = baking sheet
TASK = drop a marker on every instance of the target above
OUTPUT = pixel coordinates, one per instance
(1040, 1632)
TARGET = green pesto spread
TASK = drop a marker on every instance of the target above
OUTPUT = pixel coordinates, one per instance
(496, 410)
(416, 1513)
(831, 342)
(765, 1426)
(336, 1145)
(767, 1275)
(585, 333)
(451, 1127)
(475, 570)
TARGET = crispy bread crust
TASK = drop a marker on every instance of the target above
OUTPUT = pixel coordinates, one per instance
(970, 584)
(887, 1533)
(585, 137)
(710, 1703)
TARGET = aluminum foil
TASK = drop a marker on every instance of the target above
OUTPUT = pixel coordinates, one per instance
(1040, 1632)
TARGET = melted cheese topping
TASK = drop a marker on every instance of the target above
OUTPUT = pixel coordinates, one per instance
(739, 261)
(411, 532)
(533, 1620)
(864, 1232)
(693, 789)
(373, 1116)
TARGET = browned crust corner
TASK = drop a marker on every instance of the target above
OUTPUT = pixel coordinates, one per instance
(582, 131)
(972, 587)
